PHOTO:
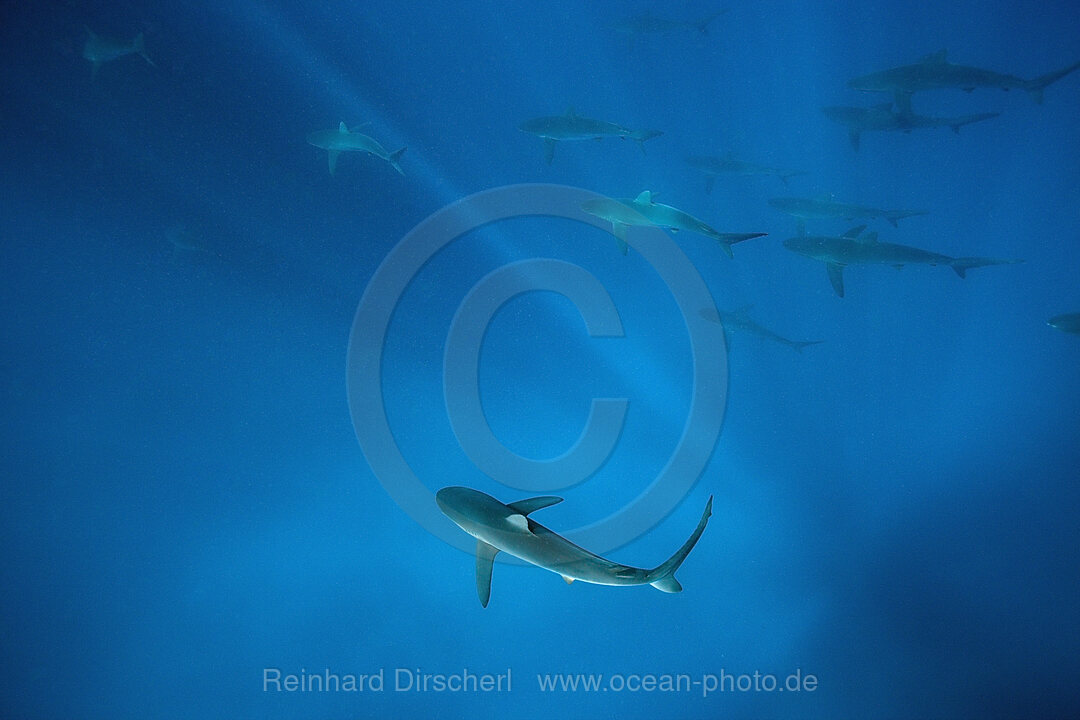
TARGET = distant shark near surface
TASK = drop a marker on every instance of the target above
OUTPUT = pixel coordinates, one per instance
(1069, 322)
(936, 72)
(714, 167)
(342, 140)
(644, 211)
(739, 321)
(827, 209)
(648, 24)
(883, 118)
(856, 248)
(572, 126)
(508, 528)
(99, 50)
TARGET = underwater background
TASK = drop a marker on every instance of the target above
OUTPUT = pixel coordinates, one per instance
(184, 503)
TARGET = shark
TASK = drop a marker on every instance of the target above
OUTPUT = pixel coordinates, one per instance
(739, 321)
(1069, 322)
(508, 528)
(714, 167)
(934, 71)
(644, 211)
(824, 208)
(335, 142)
(883, 118)
(572, 126)
(648, 24)
(99, 50)
(858, 248)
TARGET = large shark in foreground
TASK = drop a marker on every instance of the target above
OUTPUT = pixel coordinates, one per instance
(508, 528)
(856, 248)
(335, 142)
(935, 72)
(1069, 322)
(572, 126)
(739, 321)
(99, 50)
(713, 167)
(827, 209)
(643, 211)
(884, 118)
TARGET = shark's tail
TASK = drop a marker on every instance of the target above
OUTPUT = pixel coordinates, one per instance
(663, 577)
(893, 216)
(726, 240)
(640, 136)
(139, 46)
(1035, 87)
(961, 265)
(786, 174)
(703, 24)
(394, 157)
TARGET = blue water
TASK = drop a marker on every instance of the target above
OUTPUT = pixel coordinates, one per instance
(184, 502)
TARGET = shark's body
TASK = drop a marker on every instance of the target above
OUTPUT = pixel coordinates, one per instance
(856, 248)
(572, 126)
(99, 50)
(739, 321)
(882, 118)
(714, 167)
(825, 209)
(649, 24)
(508, 528)
(936, 72)
(335, 142)
(1069, 322)
(643, 211)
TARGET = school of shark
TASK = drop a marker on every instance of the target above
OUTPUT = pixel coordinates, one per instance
(509, 528)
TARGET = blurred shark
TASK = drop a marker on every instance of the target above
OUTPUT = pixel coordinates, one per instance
(508, 528)
(643, 211)
(934, 71)
(824, 208)
(1069, 322)
(740, 321)
(713, 167)
(884, 118)
(648, 24)
(341, 140)
(572, 126)
(856, 248)
(99, 50)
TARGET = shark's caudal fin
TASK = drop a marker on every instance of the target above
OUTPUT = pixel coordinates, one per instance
(394, 157)
(961, 265)
(785, 175)
(139, 46)
(663, 577)
(726, 240)
(1035, 87)
(703, 24)
(640, 136)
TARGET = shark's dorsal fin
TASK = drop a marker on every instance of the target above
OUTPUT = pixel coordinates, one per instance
(342, 129)
(854, 232)
(524, 507)
(936, 58)
(869, 238)
(485, 560)
(644, 198)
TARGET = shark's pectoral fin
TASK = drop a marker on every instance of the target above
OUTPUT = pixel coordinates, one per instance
(549, 150)
(331, 157)
(619, 231)
(524, 507)
(836, 277)
(485, 563)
